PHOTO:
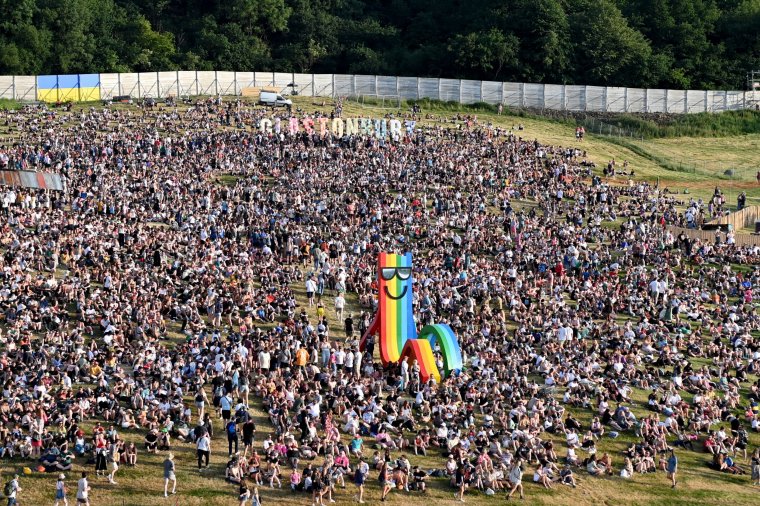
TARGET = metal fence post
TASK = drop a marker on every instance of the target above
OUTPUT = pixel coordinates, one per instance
(706, 101)
(234, 82)
(543, 96)
(313, 90)
(179, 89)
(666, 102)
(13, 88)
(564, 97)
(197, 85)
(646, 99)
(625, 99)
(216, 83)
(439, 88)
(685, 101)
(139, 86)
(585, 98)
(481, 92)
(376, 93)
(460, 91)
(502, 93)
(604, 99)
(158, 86)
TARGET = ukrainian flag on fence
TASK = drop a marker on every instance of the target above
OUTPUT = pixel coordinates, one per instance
(65, 88)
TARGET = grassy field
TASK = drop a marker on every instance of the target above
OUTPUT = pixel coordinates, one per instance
(143, 485)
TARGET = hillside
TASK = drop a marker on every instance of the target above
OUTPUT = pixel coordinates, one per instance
(142, 485)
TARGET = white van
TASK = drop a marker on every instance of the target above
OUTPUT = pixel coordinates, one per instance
(273, 99)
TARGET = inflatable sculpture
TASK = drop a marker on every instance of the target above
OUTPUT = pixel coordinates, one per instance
(394, 323)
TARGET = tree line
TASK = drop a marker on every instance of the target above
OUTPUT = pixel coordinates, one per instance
(646, 43)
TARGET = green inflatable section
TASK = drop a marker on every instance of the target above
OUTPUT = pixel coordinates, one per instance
(442, 334)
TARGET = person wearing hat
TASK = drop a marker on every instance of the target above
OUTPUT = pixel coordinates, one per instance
(60, 491)
(169, 474)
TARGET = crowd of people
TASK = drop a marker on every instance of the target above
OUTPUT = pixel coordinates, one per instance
(195, 269)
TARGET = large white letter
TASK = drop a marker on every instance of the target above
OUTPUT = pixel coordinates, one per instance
(337, 127)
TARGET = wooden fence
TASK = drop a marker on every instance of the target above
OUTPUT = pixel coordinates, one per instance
(740, 219)
(709, 236)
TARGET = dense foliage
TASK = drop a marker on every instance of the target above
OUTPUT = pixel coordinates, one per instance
(647, 43)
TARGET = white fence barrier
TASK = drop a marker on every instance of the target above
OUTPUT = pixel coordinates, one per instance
(518, 95)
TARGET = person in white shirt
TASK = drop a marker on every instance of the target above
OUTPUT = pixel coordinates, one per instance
(340, 304)
(311, 288)
(265, 359)
(203, 450)
(83, 490)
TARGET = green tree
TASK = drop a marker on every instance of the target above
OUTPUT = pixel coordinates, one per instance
(543, 30)
(607, 51)
(486, 52)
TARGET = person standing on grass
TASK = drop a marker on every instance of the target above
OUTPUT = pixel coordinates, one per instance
(169, 475)
(460, 482)
(359, 478)
(203, 448)
(515, 479)
(755, 467)
(311, 288)
(243, 494)
(249, 429)
(83, 490)
(232, 436)
(340, 305)
(12, 490)
(225, 403)
(60, 491)
(255, 499)
(672, 468)
(114, 457)
(384, 480)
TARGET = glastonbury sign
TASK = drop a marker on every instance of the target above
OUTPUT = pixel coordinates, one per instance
(338, 127)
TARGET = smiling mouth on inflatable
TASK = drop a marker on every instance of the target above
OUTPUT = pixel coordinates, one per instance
(403, 292)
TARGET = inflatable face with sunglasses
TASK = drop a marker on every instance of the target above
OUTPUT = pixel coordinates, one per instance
(395, 326)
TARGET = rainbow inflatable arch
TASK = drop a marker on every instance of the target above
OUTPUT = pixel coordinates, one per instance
(394, 323)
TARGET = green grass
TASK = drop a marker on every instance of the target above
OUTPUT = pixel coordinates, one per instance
(7, 104)
(725, 124)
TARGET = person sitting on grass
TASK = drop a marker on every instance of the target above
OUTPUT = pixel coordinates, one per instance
(420, 446)
(606, 461)
(540, 476)
(594, 468)
(233, 473)
(566, 476)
